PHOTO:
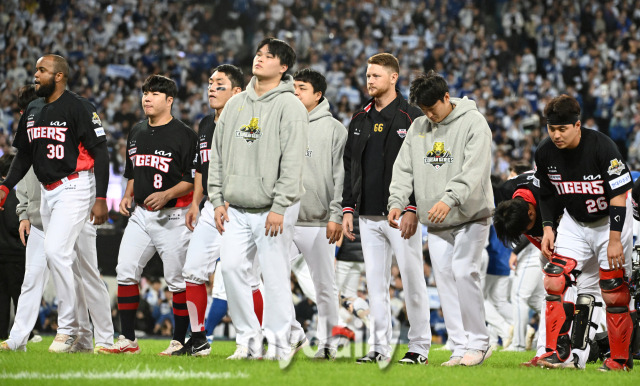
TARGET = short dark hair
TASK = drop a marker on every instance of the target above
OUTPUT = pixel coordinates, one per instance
(510, 220)
(316, 79)
(26, 94)
(281, 50)
(563, 107)
(159, 83)
(427, 89)
(520, 167)
(60, 64)
(235, 74)
(387, 60)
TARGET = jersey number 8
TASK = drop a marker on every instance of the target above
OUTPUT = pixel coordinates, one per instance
(55, 151)
(157, 181)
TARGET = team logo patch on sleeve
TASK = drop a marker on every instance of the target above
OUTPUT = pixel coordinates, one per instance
(402, 133)
(99, 131)
(30, 124)
(438, 156)
(620, 181)
(96, 119)
(133, 150)
(616, 167)
(251, 132)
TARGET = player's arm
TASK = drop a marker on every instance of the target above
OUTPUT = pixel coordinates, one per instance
(617, 212)
(548, 206)
(21, 210)
(127, 199)
(100, 154)
(194, 209)
(158, 200)
(401, 188)
(334, 227)
(348, 202)
(19, 167)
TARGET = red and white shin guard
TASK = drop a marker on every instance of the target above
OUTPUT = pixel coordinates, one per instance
(616, 296)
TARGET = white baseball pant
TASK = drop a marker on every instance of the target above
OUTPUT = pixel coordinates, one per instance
(498, 310)
(300, 269)
(348, 275)
(218, 290)
(163, 231)
(527, 291)
(312, 242)
(244, 240)
(455, 256)
(379, 242)
(204, 248)
(64, 212)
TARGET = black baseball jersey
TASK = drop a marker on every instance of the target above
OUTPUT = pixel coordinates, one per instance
(58, 135)
(160, 157)
(584, 179)
(205, 136)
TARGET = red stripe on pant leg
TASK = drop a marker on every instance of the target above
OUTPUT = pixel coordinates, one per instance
(196, 305)
(128, 297)
(128, 290)
(180, 304)
(258, 304)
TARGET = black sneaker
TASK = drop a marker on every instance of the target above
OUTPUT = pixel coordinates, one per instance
(196, 346)
(373, 357)
(412, 358)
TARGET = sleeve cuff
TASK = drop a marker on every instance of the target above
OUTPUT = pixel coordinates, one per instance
(275, 208)
(336, 218)
(411, 208)
(23, 216)
(347, 209)
(449, 201)
(101, 198)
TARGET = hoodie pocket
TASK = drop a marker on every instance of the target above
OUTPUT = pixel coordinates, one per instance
(312, 208)
(246, 192)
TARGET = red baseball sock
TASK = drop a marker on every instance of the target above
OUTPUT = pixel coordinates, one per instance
(197, 305)
(128, 300)
(257, 304)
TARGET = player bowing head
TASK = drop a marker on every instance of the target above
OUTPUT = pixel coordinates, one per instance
(512, 218)
(273, 60)
(310, 86)
(431, 94)
(226, 81)
(157, 98)
(563, 122)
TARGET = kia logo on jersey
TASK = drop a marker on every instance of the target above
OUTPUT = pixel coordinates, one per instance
(162, 153)
(592, 177)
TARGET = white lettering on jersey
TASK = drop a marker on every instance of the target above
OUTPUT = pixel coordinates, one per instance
(620, 181)
(162, 152)
(205, 155)
(579, 187)
(555, 177)
(151, 160)
(50, 132)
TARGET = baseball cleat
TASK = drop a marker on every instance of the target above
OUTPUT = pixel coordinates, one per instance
(299, 345)
(550, 360)
(80, 348)
(412, 358)
(373, 357)
(122, 346)
(532, 363)
(453, 361)
(475, 357)
(613, 365)
(242, 352)
(4, 346)
(35, 339)
(326, 353)
(197, 346)
(62, 343)
(174, 346)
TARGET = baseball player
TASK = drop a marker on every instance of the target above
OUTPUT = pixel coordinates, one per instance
(160, 169)
(519, 215)
(204, 248)
(583, 171)
(376, 133)
(256, 166)
(446, 161)
(61, 135)
(320, 215)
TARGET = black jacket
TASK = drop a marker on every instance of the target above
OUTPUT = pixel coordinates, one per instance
(360, 130)
(11, 248)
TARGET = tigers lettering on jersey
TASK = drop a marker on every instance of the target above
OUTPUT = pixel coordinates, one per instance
(49, 132)
(152, 160)
(579, 187)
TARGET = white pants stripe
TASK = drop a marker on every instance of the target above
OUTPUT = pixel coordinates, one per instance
(455, 256)
(379, 243)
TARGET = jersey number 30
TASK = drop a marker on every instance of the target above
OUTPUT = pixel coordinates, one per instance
(55, 151)
(596, 205)
(157, 181)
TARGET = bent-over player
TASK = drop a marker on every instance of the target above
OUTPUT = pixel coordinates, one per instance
(159, 166)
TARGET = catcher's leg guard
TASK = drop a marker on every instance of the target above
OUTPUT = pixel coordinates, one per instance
(559, 314)
(582, 321)
(615, 293)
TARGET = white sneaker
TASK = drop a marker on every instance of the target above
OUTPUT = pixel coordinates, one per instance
(122, 346)
(174, 345)
(36, 339)
(475, 357)
(242, 352)
(453, 361)
(62, 343)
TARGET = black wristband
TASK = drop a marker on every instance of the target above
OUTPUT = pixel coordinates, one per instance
(547, 224)
(617, 216)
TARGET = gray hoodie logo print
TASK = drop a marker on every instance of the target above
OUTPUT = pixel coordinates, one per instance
(438, 156)
(250, 132)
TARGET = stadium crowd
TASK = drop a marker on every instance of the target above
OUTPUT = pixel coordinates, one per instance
(511, 57)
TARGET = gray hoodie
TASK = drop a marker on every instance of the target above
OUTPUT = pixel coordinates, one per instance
(323, 175)
(28, 193)
(450, 162)
(258, 150)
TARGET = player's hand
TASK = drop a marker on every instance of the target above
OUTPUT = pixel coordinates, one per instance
(615, 252)
(393, 216)
(24, 230)
(3, 198)
(334, 231)
(157, 200)
(192, 216)
(513, 261)
(438, 212)
(125, 205)
(408, 224)
(547, 245)
(99, 212)
(347, 226)
(274, 224)
(221, 217)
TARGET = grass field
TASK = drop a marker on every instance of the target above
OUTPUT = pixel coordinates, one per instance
(39, 367)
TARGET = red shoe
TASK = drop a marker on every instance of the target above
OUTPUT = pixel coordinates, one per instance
(531, 363)
(612, 365)
(122, 346)
(344, 331)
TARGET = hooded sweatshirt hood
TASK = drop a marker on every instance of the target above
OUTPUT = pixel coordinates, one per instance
(286, 85)
(320, 111)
